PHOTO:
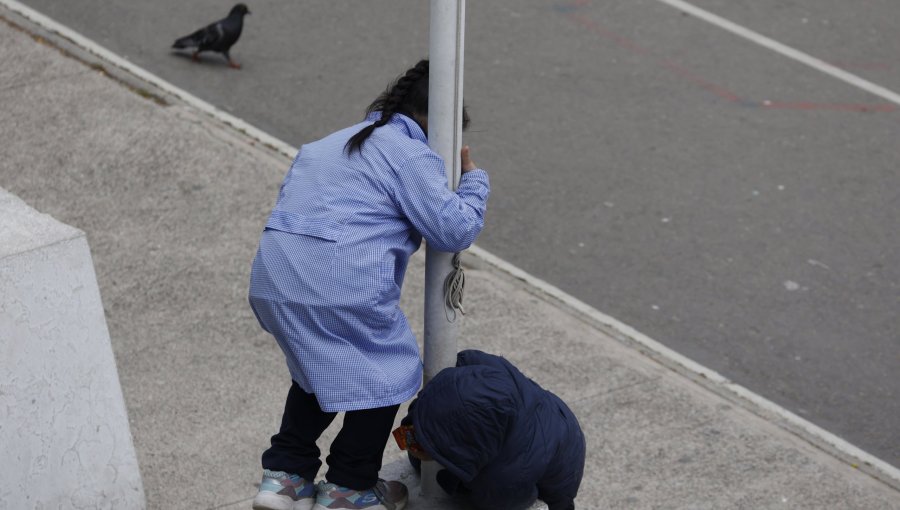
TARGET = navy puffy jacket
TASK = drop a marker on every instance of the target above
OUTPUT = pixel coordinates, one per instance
(500, 437)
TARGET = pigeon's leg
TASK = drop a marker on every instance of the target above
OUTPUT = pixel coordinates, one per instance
(231, 63)
(195, 57)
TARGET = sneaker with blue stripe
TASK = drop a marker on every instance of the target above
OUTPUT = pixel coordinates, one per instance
(284, 491)
(384, 496)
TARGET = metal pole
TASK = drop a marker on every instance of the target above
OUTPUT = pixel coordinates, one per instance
(445, 101)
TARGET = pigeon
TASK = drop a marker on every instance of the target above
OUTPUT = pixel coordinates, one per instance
(218, 36)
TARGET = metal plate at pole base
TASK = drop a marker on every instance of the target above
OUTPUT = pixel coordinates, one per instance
(428, 481)
(402, 471)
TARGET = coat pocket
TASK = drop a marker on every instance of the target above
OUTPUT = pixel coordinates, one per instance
(322, 228)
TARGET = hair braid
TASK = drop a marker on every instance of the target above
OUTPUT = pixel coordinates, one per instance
(408, 95)
(393, 102)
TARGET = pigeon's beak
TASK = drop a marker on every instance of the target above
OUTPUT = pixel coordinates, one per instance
(248, 12)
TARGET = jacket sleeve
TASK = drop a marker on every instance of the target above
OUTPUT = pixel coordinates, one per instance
(450, 483)
(559, 486)
(560, 503)
(449, 221)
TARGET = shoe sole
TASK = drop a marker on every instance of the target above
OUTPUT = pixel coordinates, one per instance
(399, 506)
(272, 501)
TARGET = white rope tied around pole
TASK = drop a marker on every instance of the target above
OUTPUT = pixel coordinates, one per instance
(454, 285)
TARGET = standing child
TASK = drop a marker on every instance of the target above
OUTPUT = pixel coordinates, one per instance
(326, 282)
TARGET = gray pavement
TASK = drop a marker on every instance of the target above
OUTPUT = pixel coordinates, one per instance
(173, 201)
(634, 160)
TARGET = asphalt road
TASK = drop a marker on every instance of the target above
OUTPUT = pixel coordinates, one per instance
(733, 204)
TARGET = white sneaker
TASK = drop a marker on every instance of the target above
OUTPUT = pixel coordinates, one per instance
(284, 491)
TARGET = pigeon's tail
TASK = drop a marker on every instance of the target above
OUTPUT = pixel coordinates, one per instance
(188, 41)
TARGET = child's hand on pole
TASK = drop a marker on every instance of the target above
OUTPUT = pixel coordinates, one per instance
(467, 165)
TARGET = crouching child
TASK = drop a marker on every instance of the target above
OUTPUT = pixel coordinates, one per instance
(502, 441)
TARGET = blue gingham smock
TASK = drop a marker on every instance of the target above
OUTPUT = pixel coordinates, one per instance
(326, 279)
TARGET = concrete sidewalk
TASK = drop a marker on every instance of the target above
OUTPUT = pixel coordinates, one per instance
(173, 201)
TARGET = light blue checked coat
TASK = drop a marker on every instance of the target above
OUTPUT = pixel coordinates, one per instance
(326, 279)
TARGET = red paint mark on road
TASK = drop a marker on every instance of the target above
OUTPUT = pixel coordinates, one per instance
(632, 46)
(584, 21)
(722, 92)
(624, 42)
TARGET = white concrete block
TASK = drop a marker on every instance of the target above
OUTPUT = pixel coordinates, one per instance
(64, 433)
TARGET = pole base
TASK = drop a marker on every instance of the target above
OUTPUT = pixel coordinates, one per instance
(402, 471)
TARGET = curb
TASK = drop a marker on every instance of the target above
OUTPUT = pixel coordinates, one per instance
(704, 376)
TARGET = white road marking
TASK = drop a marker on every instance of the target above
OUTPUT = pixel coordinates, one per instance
(785, 50)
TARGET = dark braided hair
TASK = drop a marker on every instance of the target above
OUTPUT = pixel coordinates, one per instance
(407, 95)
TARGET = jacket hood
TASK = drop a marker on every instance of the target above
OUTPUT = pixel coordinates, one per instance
(463, 415)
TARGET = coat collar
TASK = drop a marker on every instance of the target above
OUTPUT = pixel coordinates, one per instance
(403, 123)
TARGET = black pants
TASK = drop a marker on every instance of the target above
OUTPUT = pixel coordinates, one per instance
(355, 456)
